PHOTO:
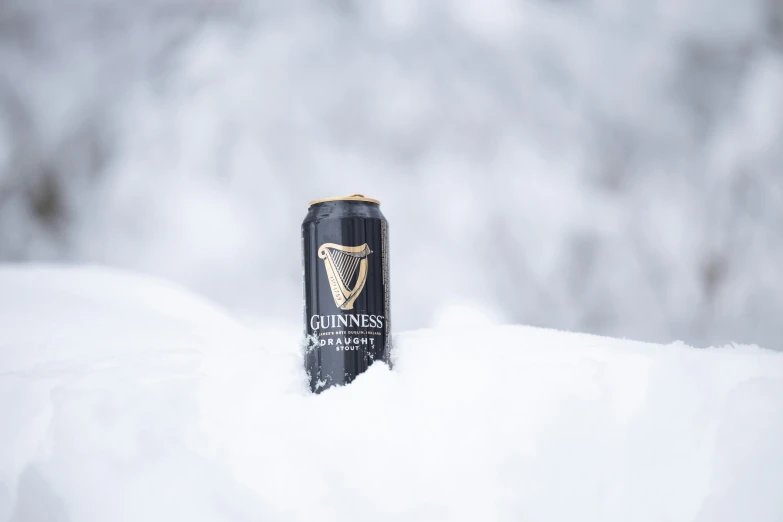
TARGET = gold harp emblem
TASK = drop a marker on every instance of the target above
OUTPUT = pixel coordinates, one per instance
(347, 271)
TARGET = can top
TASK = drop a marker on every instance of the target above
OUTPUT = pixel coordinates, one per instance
(352, 197)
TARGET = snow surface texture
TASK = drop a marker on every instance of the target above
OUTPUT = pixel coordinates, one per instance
(124, 398)
(615, 164)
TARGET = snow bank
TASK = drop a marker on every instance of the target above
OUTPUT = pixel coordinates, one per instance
(127, 399)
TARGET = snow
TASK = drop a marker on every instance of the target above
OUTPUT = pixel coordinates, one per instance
(616, 165)
(127, 398)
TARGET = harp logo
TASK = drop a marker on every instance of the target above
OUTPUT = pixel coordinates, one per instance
(346, 268)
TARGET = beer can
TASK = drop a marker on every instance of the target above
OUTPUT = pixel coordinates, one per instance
(345, 261)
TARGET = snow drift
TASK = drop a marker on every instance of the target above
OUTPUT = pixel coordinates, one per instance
(127, 399)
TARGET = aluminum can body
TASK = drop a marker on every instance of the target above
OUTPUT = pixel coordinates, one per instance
(345, 260)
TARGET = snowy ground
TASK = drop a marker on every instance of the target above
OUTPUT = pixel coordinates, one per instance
(124, 398)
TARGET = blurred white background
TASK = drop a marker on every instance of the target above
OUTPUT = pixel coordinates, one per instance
(606, 166)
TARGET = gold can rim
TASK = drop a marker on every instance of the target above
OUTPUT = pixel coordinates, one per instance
(352, 197)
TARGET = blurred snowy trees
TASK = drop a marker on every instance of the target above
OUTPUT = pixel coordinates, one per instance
(605, 166)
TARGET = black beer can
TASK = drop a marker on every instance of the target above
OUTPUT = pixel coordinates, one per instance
(345, 258)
